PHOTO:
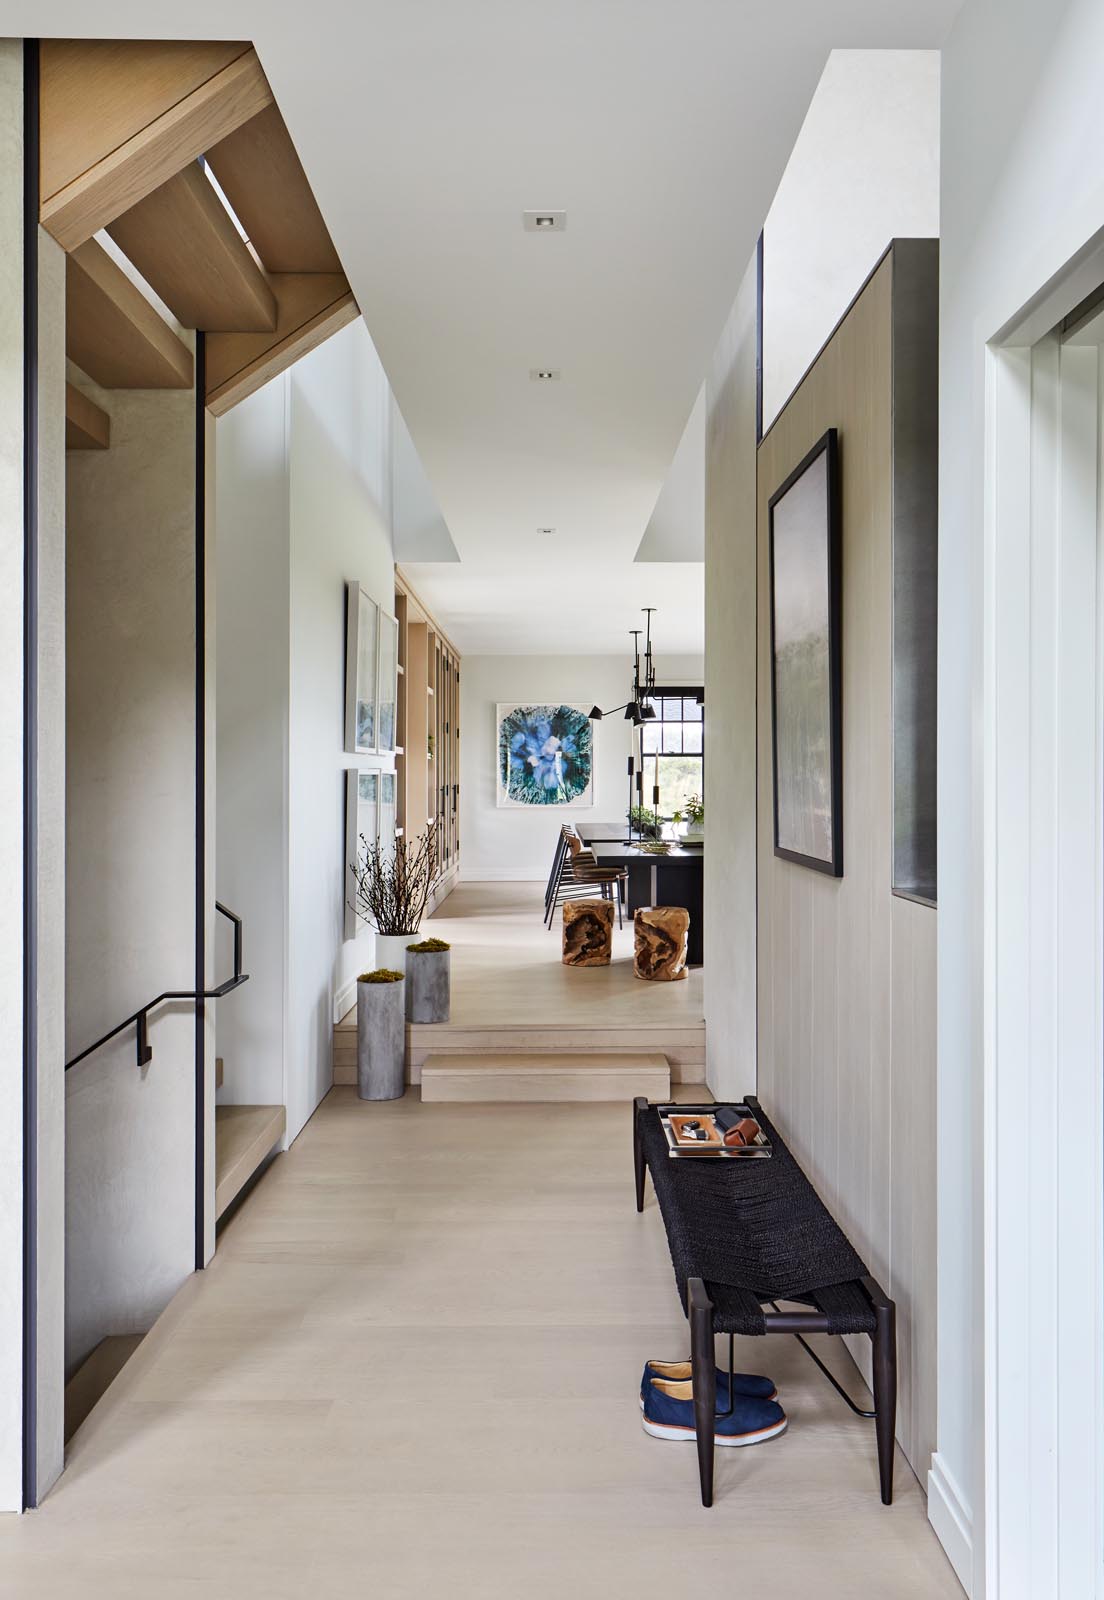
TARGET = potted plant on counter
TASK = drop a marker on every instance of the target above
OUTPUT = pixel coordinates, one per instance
(644, 823)
(381, 1035)
(427, 981)
(393, 882)
(690, 821)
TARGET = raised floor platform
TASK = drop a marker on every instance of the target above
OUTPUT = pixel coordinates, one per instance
(511, 994)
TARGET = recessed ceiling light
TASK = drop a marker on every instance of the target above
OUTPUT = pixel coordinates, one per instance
(546, 530)
(544, 221)
(544, 374)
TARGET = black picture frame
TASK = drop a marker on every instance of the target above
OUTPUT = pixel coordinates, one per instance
(826, 447)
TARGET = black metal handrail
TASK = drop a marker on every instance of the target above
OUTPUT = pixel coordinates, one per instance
(140, 1018)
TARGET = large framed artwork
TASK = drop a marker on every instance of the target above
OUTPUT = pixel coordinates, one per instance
(805, 592)
(545, 756)
(362, 630)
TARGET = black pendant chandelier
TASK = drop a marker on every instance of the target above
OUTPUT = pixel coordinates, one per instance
(638, 709)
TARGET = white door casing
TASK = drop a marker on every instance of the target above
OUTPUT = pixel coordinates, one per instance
(1044, 956)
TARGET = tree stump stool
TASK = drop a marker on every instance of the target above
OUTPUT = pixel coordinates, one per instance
(587, 933)
(661, 935)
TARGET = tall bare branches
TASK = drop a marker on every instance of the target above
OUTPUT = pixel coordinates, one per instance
(392, 881)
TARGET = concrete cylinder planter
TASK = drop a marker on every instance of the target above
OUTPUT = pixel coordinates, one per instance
(391, 950)
(428, 982)
(381, 1035)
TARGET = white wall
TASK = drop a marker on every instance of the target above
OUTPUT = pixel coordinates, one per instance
(518, 844)
(730, 606)
(340, 529)
(1021, 196)
(253, 542)
(303, 504)
(864, 170)
(130, 878)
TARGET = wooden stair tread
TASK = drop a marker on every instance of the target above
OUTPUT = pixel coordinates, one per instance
(244, 1136)
(544, 1076)
(554, 1061)
(95, 1376)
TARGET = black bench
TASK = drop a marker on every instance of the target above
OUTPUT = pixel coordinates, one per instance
(744, 1235)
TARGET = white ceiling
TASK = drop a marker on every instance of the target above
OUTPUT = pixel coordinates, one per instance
(427, 127)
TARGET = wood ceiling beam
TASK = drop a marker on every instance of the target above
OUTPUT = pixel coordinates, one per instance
(312, 306)
(112, 331)
(184, 243)
(261, 175)
(87, 425)
(94, 187)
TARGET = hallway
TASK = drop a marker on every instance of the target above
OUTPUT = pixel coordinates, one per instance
(412, 1366)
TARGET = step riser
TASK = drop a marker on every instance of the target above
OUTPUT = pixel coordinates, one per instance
(690, 1070)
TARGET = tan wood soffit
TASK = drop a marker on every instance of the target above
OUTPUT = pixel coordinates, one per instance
(184, 243)
(87, 427)
(112, 331)
(312, 306)
(95, 94)
(153, 150)
(261, 175)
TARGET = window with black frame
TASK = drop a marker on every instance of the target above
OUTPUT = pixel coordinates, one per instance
(674, 752)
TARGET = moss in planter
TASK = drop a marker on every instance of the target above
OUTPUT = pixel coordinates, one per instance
(381, 975)
(429, 946)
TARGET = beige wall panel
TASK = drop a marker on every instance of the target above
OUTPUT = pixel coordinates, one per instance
(11, 775)
(846, 970)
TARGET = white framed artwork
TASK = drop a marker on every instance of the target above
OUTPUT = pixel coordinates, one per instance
(545, 756)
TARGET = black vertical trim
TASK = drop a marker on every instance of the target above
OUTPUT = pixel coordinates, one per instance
(759, 339)
(200, 796)
(30, 773)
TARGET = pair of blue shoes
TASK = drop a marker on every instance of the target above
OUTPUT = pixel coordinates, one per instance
(667, 1403)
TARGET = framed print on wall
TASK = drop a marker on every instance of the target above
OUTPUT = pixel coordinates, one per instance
(387, 683)
(806, 722)
(362, 629)
(362, 820)
(369, 819)
(545, 756)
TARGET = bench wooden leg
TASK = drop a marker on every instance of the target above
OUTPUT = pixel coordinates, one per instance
(640, 1105)
(884, 1340)
(703, 1366)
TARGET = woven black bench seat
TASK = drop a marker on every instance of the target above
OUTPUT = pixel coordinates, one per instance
(744, 1235)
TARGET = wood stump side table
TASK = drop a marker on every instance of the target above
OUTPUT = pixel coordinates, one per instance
(587, 933)
(661, 935)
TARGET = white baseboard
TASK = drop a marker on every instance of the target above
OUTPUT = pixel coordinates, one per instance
(950, 1516)
(502, 875)
(344, 1000)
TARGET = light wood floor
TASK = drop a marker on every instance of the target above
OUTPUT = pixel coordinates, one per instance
(413, 1369)
(508, 981)
(507, 965)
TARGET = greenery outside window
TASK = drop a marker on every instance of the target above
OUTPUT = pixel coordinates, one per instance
(674, 748)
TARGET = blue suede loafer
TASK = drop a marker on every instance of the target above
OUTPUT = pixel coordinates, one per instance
(669, 1414)
(745, 1383)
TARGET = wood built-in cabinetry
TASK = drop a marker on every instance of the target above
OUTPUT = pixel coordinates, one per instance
(427, 760)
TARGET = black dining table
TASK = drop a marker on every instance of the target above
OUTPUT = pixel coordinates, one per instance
(674, 879)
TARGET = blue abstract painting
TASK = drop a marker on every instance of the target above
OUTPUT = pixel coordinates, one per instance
(545, 756)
